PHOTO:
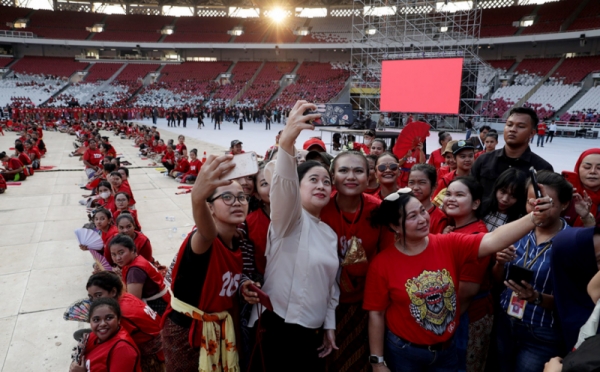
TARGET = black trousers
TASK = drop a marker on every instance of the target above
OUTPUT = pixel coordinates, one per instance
(287, 347)
(241, 124)
(550, 136)
(169, 166)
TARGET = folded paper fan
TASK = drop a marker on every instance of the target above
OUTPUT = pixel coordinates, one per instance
(78, 311)
(101, 262)
(89, 238)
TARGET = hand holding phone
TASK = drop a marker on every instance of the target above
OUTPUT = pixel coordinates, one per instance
(246, 164)
(263, 298)
(534, 183)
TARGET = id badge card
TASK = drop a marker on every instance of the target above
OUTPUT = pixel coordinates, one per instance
(516, 306)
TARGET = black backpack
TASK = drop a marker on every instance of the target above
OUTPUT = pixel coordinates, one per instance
(586, 358)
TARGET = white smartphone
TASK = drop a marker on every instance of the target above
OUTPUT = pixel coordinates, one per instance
(246, 164)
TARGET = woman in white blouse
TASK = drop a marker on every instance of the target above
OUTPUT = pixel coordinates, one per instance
(302, 261)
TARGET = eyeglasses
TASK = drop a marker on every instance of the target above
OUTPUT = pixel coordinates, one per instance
(229, 199)
(391, 166)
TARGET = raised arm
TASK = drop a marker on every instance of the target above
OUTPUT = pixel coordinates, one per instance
(286, 204)
(206, 183)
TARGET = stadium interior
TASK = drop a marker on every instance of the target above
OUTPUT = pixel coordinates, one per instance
(542, 53)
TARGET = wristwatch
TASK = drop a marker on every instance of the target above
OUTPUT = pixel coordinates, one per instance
(376, 359)
(539, 299)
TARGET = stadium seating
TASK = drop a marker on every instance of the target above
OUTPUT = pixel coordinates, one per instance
(9, 14)
(5, 62)
(587, 108)
(62, 24)
(329, 30)
(267, 82)
(242, 72)
(317, 82)
(588, 19)
(281, 34)
(498, 21)
(551, 16)
(255, 31)
(537, 66)
(551, 98)
(190, 83)
(133, 27)
(102, 71)
(573, 70)
(202, 30)
(502, 64)
(54, 66)
(31, 89)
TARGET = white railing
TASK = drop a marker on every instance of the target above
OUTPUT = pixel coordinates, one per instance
(23, 34)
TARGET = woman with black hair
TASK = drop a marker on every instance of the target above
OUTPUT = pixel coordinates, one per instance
(137, 318)
(109, 346)
(412, 286)
(13, 168)
(507, 200)
(141, 278)
(528, 332)
(302, 260)
(436, 158)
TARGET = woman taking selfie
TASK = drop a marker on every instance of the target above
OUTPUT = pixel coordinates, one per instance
(206, 275)
(411, 290)
(302, 259)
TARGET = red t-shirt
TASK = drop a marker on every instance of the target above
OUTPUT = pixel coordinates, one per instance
(373, 239)
(169, 156)
(34, 153)
(418, 293)
(118, 354)
(94, 157)
(373, 192)
(183, 165)
(195, 166)
(478, 272)
(126, 188)
(106, 238)
(24, 158)
(541, 129)
(108, 204)
(160, 149)
(436, 159)
(444, 182)
(437, 220)
(143, 246)
(138, 319)
(133, 212)
(258, 227)
(13, 163)
(180, 147)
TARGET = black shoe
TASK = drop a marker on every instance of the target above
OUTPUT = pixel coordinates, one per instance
(78, 334)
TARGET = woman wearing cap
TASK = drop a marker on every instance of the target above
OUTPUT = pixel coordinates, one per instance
(463, 154)
(412, 285)
(236, 147)
(302, 260)
(314, 144)
(448, 160)
(437, 158)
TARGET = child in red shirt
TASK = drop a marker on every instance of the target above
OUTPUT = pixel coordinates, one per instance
(182, 166)
(195, 166)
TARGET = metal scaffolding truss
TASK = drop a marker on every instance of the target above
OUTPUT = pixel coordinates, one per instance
(414, 29)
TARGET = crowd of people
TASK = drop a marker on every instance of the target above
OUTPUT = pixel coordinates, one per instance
(456, 261)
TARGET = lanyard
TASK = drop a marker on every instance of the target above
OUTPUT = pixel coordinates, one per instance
(528, 266)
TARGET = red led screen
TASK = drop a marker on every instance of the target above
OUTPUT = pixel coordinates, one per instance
(421, 85)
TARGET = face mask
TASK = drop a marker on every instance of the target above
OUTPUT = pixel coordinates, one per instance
(105, 195)
(368, 142)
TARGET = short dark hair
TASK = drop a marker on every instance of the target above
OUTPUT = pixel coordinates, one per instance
(512, 181)
(557, 182)
(308, 165)
(527, 111)
(124, 170)
(105, 301)
(429, 171)
(116, 174)
(383, 144)
(485, 127)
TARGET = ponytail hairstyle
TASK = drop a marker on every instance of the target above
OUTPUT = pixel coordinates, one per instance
(392, 212)
(106, 280)
(126, 215)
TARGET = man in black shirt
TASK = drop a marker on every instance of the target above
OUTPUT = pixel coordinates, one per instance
(520, 127)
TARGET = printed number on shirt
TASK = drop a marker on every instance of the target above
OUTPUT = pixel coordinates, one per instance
(150, 312)
(230, 284)
(97, 156)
